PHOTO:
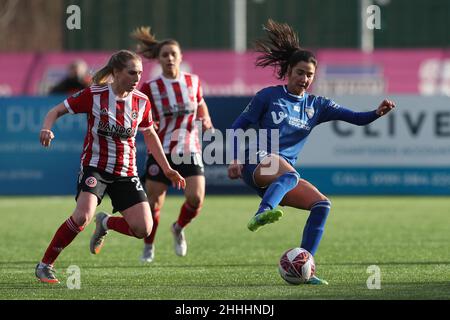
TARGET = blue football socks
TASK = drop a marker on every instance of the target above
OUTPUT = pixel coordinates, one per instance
(277, 190)
(312, 233)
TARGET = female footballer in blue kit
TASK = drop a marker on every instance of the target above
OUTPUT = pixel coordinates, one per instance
(294, 113)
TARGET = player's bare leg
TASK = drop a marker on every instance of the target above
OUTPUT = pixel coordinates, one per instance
(195, 194)
(156, 192)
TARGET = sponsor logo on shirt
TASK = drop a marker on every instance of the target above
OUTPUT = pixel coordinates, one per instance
(115, 131)
(277, 119)
(299, 123)
(178, 110)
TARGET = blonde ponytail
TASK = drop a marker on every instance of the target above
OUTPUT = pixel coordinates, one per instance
(102, 76)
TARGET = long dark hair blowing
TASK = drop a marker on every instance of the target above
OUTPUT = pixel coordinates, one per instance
(281, 49)
(148, 46)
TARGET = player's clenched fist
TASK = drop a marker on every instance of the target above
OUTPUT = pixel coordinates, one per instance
(46, 136)
(385, 106)
(235, 170)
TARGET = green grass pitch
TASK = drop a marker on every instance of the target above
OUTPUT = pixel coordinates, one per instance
(408, 238)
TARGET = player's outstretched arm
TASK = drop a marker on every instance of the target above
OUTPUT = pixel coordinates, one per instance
(357, 118)
(155, 148)
(46, 135)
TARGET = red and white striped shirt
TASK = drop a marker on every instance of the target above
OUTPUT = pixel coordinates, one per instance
(113, 122)
(174, 105)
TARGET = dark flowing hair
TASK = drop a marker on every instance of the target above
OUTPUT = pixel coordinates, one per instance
(148, 46)
(117, 61)
(281, 49)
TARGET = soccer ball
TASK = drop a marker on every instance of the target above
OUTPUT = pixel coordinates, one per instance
(296, 266)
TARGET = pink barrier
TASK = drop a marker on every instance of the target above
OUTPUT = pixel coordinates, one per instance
(421, 71)
(14, 72)
(402, 71)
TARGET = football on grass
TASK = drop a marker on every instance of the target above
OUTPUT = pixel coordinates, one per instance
(296, 266)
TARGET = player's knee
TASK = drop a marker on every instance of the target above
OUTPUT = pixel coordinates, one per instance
(155, 205)
(147, 229)
(142, 233)
(321, 202)
(327, 201)
(81, 221)
(139, 234)
(290, 179)
(82, 217)
(194, 201)
(142, 229)
(293, 175)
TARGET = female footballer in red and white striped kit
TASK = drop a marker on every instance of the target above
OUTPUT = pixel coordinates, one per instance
(112, 123)
(115, 112)
(177, 102)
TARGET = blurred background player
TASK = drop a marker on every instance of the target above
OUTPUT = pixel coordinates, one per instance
(77, 79)
(177, 102)
(291, 110)
(115, 112)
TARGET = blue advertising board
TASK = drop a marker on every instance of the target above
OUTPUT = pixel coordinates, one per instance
(27, 168)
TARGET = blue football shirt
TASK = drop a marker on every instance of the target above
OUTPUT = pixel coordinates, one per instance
(294, 117)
